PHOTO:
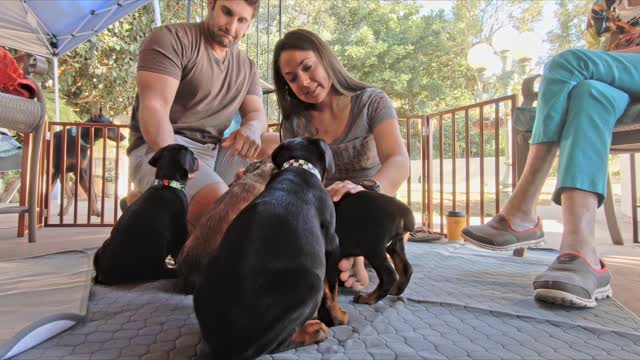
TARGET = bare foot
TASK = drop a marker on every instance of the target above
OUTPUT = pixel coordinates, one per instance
(353, 273)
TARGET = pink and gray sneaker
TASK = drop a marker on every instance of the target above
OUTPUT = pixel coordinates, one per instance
(572, 281)
(498, 234)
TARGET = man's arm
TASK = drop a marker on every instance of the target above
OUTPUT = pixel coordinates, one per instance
(156, 93)
(246, 140)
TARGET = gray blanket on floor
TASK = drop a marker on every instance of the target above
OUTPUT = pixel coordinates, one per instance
(41, 297)
(462, 303)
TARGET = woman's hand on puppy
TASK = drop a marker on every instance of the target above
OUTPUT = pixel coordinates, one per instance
(339, 188)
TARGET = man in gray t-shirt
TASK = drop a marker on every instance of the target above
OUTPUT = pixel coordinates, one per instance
(192, 80)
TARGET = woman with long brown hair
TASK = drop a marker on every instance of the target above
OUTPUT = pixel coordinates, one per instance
(319, 98)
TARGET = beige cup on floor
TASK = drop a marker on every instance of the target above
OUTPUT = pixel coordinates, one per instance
(456, 221)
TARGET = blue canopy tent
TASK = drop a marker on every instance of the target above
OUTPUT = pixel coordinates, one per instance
(52, 28)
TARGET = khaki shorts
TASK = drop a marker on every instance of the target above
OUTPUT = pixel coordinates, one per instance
(215, 166)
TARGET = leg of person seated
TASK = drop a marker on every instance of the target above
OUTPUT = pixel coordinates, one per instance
(578, 218)
(577, 277)
(584, 157)
(517, 224)
(520, 208)
(132, 196)
(201, 202)
(562, 74)
(141, 174)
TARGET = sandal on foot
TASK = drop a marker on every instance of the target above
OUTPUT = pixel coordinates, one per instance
(572, 281)
(498, 234)
(422, 234)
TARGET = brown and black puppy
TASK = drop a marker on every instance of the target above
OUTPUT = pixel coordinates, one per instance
(206, 237)
(261, 291)
(151, 228)
(373, 225)
(71, 157)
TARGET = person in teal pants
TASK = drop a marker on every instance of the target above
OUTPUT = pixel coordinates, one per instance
(581, 96)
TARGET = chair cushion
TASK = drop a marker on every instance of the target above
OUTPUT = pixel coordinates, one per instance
(630, 116)
(524, 117)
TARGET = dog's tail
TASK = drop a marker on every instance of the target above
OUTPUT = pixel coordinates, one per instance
(408, 220)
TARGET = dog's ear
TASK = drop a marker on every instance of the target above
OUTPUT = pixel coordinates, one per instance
(189, 161)
(156, 157)
(329, 166)
(282, 153)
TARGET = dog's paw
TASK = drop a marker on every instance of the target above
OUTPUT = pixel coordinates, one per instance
(312, 332)
(363, 298)
(370, 298)
(341, 317)
(398, 288)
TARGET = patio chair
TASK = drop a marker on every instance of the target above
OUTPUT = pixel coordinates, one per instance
(26, 116)
(626, 139)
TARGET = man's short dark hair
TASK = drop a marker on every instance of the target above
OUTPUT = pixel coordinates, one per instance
(255, 4)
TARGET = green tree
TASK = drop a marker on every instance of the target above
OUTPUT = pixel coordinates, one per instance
(101, 71)
(570, 31)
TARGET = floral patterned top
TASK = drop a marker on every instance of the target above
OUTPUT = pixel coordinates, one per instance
(614, 25)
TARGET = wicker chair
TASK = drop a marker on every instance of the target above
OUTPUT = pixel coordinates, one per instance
(26, 116)
(626, 139)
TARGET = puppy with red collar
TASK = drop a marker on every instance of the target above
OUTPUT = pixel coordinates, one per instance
(277, 263)
(153, 227)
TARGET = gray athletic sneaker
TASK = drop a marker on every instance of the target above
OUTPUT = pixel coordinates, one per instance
(498, 234)
(572, 281)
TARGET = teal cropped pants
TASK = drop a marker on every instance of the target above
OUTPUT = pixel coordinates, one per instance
(581, 96)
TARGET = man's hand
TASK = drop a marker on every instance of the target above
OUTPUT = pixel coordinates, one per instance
(245, 141)
(339, 188)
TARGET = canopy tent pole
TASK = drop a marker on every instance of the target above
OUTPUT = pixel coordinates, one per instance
(55, 87)
(188, 11)
(156, 13)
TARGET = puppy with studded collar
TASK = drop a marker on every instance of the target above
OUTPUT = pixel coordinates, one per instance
(276, 264)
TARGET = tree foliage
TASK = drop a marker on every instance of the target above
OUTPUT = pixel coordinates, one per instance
(417, 58)
(101, 71)
(571, 20)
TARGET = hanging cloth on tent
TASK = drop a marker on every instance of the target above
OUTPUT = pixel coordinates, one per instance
(12, 80)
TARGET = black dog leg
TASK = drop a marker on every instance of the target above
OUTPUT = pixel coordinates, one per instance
(387, 278)
(330, 312)
(401, 264)
(91, 195)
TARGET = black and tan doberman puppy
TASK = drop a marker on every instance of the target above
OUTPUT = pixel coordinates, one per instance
(71, 157)
(373, 225)
(261, 291)
(151, 228)
(205, 238)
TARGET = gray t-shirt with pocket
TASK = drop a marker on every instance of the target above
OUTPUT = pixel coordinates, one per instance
(354, 152)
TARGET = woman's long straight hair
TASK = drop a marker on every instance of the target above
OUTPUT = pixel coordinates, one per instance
(305, 40)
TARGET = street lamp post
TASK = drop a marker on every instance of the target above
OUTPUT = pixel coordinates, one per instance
(497, 61)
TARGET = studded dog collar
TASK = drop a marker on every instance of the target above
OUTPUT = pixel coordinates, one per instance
(303, 164)
(174, 184)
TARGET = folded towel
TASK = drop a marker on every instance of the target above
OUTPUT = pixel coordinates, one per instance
(12, 80)
(8, 145)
